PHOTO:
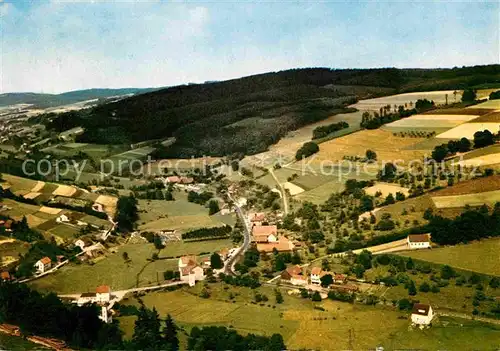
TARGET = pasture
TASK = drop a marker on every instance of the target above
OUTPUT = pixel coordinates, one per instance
(478, 256)
(476, 185)
(179, 214)
(467, 130)
(492, 117)
(490, 104)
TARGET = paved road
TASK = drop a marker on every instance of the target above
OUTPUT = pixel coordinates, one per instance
(229, 264)
(281, 189)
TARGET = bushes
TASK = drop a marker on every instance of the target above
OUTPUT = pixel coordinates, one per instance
(306, 150)
(323, 131)
(204, 233)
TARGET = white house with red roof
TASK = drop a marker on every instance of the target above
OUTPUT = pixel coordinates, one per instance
(43, 265)
(190, 271)
(422, 314)
(265, 233)
(419, 241)
(316, 274)
(103, 293)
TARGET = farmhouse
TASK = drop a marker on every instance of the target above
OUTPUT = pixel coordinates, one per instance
(103, 294)
(265, 233)
(83, 243)
(102, 297)
(422, 314)
(316, 274)
(294, 275)
(282, 244)
(418, 241)
(43, 265)
(73, 218)
(257, 218)
(190, 271)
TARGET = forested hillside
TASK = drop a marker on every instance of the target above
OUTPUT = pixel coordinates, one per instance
(247, 115)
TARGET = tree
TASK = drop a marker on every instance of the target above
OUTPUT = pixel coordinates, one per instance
(316, 296)
(412, 290)
(358, 270)
(213, 207)
(424, 287)
(389, 199)
(126, 213)
(170, 334)
(306, 150)
(371, 155)
(216, 261)
(365, 259)
(469, 95)
(326, 280)
(400, 196)
(439, 153)
(366, 203)
(483, 138)
(447, 272)
(494, 95)
(147, 334)
(405, 305)
(278, 296)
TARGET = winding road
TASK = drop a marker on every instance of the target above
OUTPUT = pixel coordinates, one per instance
(229, 264)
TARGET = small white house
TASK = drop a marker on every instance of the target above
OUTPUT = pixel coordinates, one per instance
(81, 243)
(422, 314)
(190, 271)
(62, 219)
(43, 265)
(316, 274)
(103, 294)
(300, 280)
(418, 241)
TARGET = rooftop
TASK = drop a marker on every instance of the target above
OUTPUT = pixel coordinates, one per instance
(418, 238)
(421, 309)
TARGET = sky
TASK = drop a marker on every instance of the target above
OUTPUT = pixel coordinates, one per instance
(56, 46)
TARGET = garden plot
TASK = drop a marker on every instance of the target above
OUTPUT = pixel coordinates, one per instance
(385, 189)
(477, 199)
(467, 130)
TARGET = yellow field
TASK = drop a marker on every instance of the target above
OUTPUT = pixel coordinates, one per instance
(439, 98)
(50, 210)
(39, 186)
(485, 160)
(490, 104)
(387, 147)
(467, 130)
(294, 189)
(180, 223)
(64, 190)
(479, 256)
(31, 195)
(475, 199)
(386, 189)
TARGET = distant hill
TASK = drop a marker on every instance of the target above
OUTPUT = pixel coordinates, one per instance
(248, 114)
(71, 97)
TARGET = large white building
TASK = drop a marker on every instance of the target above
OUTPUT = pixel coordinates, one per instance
(422, 314)
(190, 271)
(43, 265)
(418, 241)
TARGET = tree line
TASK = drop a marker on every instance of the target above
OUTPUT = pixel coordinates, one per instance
(323, 131)
(481, 139)
(126, 213)
(203, 233)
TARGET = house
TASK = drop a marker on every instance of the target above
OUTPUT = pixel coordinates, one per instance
(43, 265)
(421, 314)
(265, 233)
(190, 271)
(294, 275)
(419, 241)
(257, 218)
(63, 219)
(5, 276)
(224, 253)
(205, 262)
(105, 315)
(83, 243)
(103, 294)
(7, 225)
(87, 298)
(172, 180)
(339, 278)
(282, 244)
(316, 274)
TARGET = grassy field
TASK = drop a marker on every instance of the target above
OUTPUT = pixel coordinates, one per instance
(476, 185)
(10, 250)
(488, 118)
(179, 214)
(437, 123)
(8, 342)
(480, 256)
(114, 271)
(490, 104)
(488, 197)
(301, 325)
(386, 189)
